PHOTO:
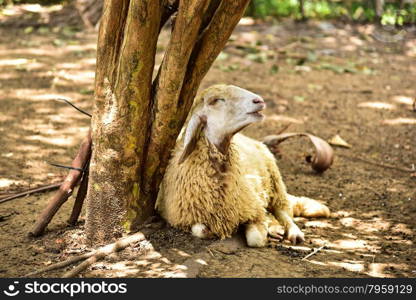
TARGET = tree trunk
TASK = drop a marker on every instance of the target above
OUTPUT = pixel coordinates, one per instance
(136, 121)
(379, 7)
(125, 61)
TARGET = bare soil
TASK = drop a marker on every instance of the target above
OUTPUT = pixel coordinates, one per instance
(323, 78)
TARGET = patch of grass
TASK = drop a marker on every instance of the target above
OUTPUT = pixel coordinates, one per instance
(330, 9)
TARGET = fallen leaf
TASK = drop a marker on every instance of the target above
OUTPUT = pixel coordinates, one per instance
(336, 140)
(324, 155)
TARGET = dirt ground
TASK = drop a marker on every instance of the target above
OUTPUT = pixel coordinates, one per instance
(325, 78)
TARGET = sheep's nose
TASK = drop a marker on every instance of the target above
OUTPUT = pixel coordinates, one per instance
(258, 101)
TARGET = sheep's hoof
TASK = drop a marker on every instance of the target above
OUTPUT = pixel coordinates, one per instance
(201, 231)
(276, 231)
(256, 236)
(295, 235)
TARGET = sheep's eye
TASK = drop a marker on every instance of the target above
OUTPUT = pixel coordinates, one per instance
(216, 100)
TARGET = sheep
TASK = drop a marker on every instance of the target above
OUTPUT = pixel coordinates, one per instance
(218, 179)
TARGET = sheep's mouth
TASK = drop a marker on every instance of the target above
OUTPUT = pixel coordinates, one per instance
(256, 113)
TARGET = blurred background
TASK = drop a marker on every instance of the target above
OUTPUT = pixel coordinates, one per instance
(387, 12)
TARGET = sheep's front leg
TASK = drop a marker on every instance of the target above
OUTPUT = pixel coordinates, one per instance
(282, 209)
(256, 234)
(292, 231)
(201, 231)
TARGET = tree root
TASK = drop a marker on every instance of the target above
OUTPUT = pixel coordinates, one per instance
(81, 160)
(92, 257)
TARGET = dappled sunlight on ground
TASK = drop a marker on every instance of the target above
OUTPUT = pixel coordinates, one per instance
(37, 127)
(377, 105)
(400, 121)
(325, 82)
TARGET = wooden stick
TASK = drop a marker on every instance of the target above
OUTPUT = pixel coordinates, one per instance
(62, 264)
(9, 193)
(314, 252)
(407, 170)
(66, 189)
(79, 201)
(31, 191)
(109, 249)
(74, 106)
(284, 128)
(85, 264)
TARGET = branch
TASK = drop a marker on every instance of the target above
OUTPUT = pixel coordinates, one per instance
(61, 264)
(314, 252)
(382, 165)
(172, 109)
(74, 106)
(168, 83)
(65, 167)
(112, 248)
(100, 253)
(65, 190)
(111, 29)
(45, 188)
(210, 44)
(79, 200)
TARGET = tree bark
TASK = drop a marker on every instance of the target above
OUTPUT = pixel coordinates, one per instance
(125, 61)
(136, 122)
(379, 7)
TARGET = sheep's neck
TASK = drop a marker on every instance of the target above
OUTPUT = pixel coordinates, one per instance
(219, 155)
(222, 144)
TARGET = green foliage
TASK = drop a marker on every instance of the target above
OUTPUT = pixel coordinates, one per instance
(356, 10)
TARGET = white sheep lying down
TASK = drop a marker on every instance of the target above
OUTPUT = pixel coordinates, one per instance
(219, 179)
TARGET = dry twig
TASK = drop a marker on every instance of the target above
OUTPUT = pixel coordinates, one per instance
(314, 252)
(65, 190)
(382, 165)
(44, 188)
(91, 257)
(61, 264)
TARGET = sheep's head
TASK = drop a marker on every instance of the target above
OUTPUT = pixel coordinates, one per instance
(221, 111)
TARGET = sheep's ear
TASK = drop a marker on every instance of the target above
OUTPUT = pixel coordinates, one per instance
(192, 132)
